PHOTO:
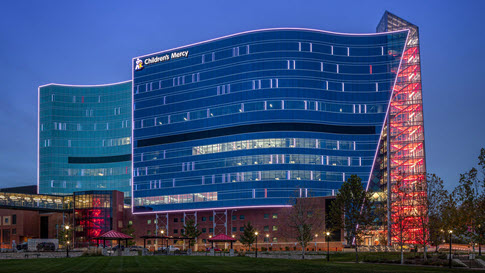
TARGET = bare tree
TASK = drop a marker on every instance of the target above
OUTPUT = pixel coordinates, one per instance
(303, 220)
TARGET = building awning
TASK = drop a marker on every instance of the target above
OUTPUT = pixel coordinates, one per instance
(221, 238)
(114, 235)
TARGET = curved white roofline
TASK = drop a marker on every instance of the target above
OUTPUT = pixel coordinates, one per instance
(269, 29)
(87, 85)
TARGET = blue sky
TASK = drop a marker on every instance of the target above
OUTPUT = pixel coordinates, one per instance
(92, 42)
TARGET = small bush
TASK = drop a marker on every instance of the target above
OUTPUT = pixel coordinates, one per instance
(287, 248)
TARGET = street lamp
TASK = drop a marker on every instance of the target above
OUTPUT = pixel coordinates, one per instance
(450, 232)
(162, 232)
(267, 239)
(256, 233)
(316, 236)
(328, 246)
(67, 242)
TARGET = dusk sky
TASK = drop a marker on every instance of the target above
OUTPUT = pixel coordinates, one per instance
(92, 42)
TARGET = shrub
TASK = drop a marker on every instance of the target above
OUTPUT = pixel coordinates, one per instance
(287, 248)
(264, 248)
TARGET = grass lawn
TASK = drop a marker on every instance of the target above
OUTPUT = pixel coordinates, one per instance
(198, 264)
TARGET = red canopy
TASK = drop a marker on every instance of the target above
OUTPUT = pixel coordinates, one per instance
(112, 235)
(221, 238)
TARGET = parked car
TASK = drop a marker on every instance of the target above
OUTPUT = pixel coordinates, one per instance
(169, 249)
(46, 247)
(115, 248)
(215, 249)
(23, 246)
(136, 248)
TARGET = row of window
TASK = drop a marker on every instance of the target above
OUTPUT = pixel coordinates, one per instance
(264, 84)
(66, 126)
(95, 184)
(112, 142)
(261, 106)
(176, 199)
(80, 99)
(307, 159)
(326, 144)
(244, 177)
(211, 218)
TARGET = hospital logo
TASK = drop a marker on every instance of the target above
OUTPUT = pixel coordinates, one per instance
(139, 64)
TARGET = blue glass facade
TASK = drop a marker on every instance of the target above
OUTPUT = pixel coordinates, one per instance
(84, 138)
(254, 118)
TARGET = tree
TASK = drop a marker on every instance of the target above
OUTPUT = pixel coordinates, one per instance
(303, 220)
(468, 195)
(191, 230)
(129, 230)
(248, 237)
(436, 198)
(351, 211)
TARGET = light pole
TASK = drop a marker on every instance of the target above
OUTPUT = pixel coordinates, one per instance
(450, 232)
(328, 246)
(256, 233)
(267, 239)
(162, 232)
(316, 236)
(67, 241)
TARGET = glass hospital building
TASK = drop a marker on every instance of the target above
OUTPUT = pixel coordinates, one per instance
(255, 118)
(242, 123)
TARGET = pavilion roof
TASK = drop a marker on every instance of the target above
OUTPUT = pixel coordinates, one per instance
(221, 238)
(113, 235)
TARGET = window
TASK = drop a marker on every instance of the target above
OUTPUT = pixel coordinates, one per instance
(309, 213)
(234, 217)
(266, 228)
(275, 228)
(14, 220)
(241, 229)
(234, 229)
(275, 240)
(241, 217)
(275, 215)
(211, 218)
(204, 241)
(120, 224)
(149, 222)
(14, 231)
(175, 220)
(149, 242)
(204, 230)
(266, 239)
(266, 216)
(175, 231)
(211, 230)
(204, 219)
(149, 232)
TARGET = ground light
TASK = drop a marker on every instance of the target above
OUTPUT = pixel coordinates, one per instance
(450, 232)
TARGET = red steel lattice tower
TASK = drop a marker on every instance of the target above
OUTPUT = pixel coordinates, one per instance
(405, 168)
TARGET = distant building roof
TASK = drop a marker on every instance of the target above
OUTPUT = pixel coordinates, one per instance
(32, 189)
